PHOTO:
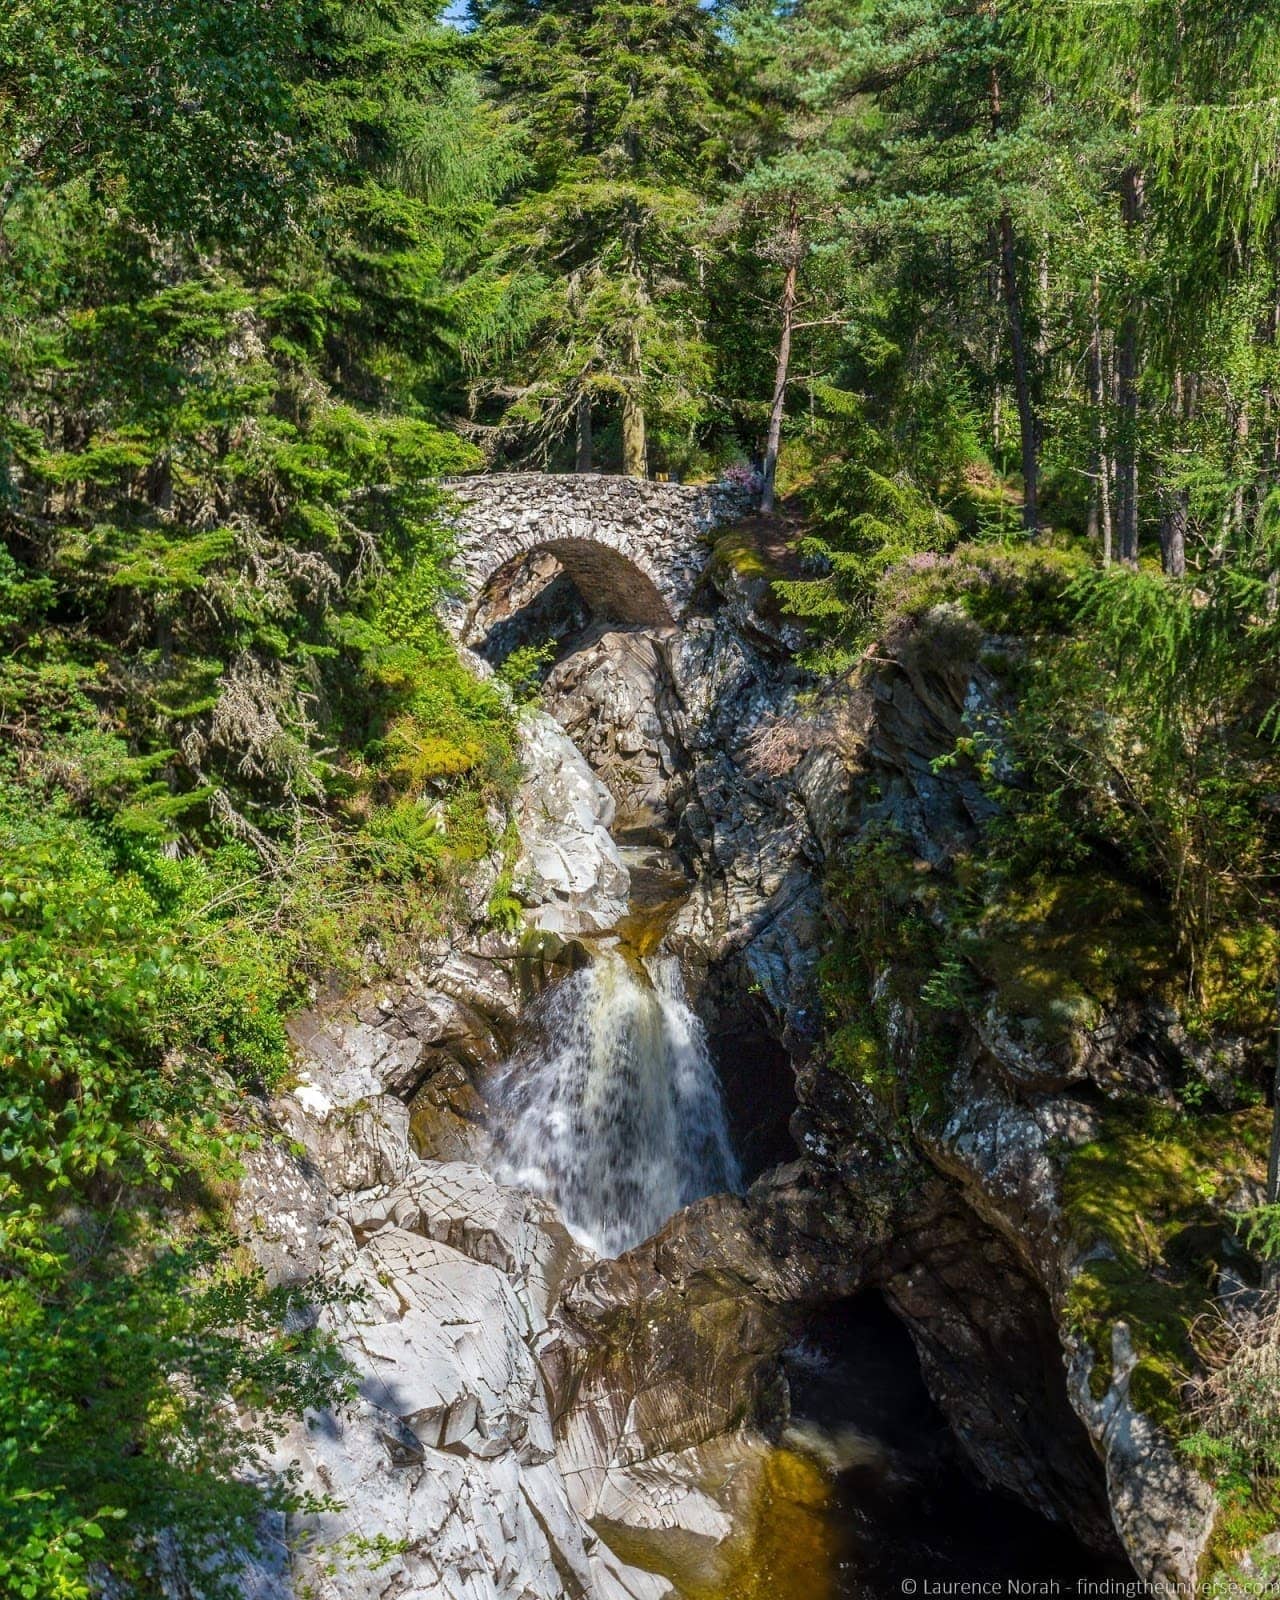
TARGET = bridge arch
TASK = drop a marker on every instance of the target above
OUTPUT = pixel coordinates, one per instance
(613, 583)
(634, 549)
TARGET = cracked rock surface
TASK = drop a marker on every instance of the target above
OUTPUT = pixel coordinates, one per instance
(448, 1452)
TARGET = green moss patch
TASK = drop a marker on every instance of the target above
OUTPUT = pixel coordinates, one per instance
(744, 555)
(1155, 1189)
(1061, 950)
(1238, 977)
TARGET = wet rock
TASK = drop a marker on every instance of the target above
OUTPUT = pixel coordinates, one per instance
(987, 1339)
(685, 1512)
(447, 1116)
(569, 873)
(609, 695)
(676, 1343)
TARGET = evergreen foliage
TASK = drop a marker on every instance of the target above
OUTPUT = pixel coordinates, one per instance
(590, 292)
(988, 287)
(239, 750)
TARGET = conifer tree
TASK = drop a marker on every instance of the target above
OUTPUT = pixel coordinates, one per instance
(228, 242)
(592, 295)
(789, 238)
(1186, 89)
(951, 173)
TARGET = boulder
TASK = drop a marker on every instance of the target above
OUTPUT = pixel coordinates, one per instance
(610, 696)
(346, 1107)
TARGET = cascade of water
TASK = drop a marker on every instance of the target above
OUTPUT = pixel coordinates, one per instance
(615, 1113)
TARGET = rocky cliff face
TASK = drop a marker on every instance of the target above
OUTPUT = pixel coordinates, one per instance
(982, 1253)
(710, 734)
(447, 1456)
(956, 1211)
(531, 1422)
(505, 1411)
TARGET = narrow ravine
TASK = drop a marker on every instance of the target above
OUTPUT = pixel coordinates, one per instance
(903, 1505)
(649, 1312)
(616, 1106)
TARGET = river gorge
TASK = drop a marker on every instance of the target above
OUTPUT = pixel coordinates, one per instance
(648, 1298)
(639, 800)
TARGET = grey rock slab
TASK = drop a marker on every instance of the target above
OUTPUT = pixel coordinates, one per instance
(280, 1207)
(347, 1061)
(467, 1528)
(569, 873)
(344, 1106)
(439, 1342)
(1163, 1510)
(460, 1205)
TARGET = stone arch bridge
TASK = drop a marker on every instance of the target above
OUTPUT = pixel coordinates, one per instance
(635, 549)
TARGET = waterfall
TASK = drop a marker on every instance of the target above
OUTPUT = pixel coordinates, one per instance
(615, 1111)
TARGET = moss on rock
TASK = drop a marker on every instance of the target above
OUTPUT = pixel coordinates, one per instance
(1061, 951)
(1155, 1192)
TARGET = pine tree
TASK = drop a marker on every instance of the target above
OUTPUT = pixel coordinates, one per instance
(788, 248)
(1186, 89)
(952, 172)
(591, 296)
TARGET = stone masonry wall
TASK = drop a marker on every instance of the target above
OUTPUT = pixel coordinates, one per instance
(635, 549)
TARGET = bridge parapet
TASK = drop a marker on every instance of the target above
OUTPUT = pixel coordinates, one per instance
(635, 548)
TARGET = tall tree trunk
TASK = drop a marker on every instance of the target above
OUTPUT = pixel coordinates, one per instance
(583, 456)
(635, 449)
(1240, 452)
(634, 446)
(1017, 335)
(1021, 375)
(1100, 511)
(1173, 532)
(1127, 451)
(160, 483)
(1177, 499)
(783, 367)
(1042, 313)
(994, 279)
(1270, 415)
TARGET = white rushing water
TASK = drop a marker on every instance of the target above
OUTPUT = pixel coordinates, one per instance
(615, 1113)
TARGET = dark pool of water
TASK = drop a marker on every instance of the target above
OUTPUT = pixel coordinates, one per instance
(908, 1510)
